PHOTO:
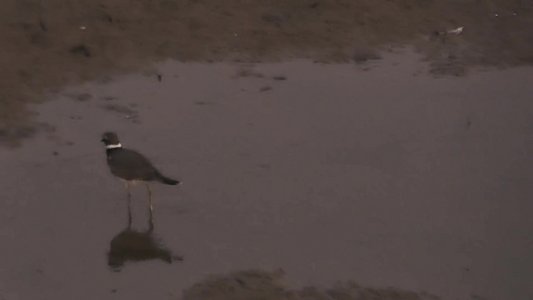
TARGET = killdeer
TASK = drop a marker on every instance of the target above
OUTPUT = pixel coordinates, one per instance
(131, 166)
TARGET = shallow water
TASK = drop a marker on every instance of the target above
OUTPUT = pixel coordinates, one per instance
(372, 173)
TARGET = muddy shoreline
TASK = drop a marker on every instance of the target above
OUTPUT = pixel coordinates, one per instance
(47, 45)
(386, 177)
(329, 149)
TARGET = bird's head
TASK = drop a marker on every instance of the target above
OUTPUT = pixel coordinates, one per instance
(110, 139)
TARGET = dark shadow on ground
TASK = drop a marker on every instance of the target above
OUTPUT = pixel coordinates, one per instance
(131, 245)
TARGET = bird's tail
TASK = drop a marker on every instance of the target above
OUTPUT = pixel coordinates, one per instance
(167, 180)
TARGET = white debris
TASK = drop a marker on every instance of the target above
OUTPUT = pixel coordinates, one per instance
(457, 30)
(83, 27)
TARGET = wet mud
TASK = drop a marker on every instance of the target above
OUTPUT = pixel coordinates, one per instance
(48, 44)
(359, 181)
(328, 149)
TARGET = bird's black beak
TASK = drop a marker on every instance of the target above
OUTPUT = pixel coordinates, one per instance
(103, 140)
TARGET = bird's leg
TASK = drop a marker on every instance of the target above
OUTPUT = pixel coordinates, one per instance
(127, 186)
(150, 221)
(129, 203)
(150, 197)
(151, 210)
(129, 211)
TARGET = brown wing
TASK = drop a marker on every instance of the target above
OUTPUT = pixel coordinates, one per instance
(131, 165)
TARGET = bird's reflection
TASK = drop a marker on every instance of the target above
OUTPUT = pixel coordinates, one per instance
(132, 245)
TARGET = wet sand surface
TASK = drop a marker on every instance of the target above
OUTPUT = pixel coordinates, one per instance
(373, 173)
(50, 44)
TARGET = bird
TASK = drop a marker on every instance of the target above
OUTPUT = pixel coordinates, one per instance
(131, 166)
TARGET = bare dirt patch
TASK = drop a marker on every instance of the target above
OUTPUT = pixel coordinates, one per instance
(257, 284)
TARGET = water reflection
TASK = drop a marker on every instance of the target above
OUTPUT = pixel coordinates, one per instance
(134, 245)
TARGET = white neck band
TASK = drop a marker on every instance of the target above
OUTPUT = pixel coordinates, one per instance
(113, 146)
